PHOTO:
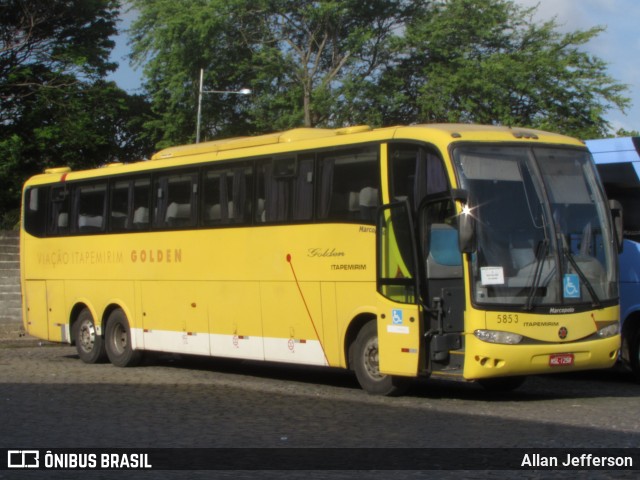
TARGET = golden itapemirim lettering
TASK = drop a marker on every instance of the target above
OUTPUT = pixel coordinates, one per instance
(77, 257)
(167, 255)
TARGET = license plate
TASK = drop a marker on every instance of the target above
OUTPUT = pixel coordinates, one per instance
(560, 359)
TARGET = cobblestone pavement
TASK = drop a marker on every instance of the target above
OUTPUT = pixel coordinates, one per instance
(50, 399)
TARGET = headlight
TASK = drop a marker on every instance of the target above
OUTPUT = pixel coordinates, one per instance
(495, 336)
(609, 331)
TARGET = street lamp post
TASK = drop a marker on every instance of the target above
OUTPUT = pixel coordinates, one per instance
(244, 91)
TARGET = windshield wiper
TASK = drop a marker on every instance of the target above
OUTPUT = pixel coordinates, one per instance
(587, 283)
(541, 255)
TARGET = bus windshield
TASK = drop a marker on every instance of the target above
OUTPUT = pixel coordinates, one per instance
(543, 234)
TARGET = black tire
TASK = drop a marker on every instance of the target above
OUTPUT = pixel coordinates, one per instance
(118, 341)
(89, 344)
(363, 358)
(501, 384)
(634, 354)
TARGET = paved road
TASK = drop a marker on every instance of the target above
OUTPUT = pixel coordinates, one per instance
(50, 399)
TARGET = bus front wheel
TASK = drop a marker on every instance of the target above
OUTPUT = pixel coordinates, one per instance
(118, 341)
(364, 359)
(89, 344)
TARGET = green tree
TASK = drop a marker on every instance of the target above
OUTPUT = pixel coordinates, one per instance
(173, 40)
(328, 50)
(621, 132)
(50, 44)
(382, 62)
(299, 57)
(55, 107)
(488, 62)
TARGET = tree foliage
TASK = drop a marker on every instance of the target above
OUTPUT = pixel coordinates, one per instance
(173, 40)
(325, 48)
(297, 56)
(382, 62)
(50, 44)
(621, 132)
(309, 63)
(55, 107)
(488, 62)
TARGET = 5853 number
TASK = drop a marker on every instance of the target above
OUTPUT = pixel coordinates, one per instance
(508, 318)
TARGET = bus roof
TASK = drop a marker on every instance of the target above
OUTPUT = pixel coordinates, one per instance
(299, 134)
(288, 136)
(615, 150)
(310, 138)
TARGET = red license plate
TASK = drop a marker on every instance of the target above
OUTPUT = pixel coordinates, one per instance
(560, 359)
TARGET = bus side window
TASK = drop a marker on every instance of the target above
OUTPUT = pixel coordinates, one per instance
(129, 205)
(226, 195)
(141, 202)
(59, 212)
(285, 190)
(119, 207)
(90, 206)
(349, 186)
(35, 220)
(175, 204)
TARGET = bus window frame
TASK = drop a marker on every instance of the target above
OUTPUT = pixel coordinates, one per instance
(76, 192)
(317, 155)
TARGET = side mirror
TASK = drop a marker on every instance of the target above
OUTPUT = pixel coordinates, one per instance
(466, 223)
(616, 215)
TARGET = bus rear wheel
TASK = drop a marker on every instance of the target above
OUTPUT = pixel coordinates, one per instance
(89, 344)
(118, 341)
(364, 359)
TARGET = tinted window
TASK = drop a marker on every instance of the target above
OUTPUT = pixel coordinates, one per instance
(175, 203)
(130, 204)
(415, 173)
(227, 193)
(90, 202)
(35, 202)
(285, 189)
(349, 186)
(60, 211)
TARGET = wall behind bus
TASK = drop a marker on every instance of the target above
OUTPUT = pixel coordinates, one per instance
(10, 296)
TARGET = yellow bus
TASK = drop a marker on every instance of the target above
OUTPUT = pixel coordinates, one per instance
(464, 252)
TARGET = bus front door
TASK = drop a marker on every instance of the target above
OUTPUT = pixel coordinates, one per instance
(399, 313)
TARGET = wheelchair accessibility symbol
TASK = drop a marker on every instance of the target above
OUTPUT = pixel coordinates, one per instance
(571, 283)
(396, 316)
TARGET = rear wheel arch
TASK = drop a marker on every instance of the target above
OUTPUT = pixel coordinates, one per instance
(86, 335)
(74, 315)
(107, 312)
(119, 339)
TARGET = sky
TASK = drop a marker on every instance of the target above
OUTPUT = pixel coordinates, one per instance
(618, 46)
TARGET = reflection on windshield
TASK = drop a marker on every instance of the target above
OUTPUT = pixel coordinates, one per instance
(542, 226)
